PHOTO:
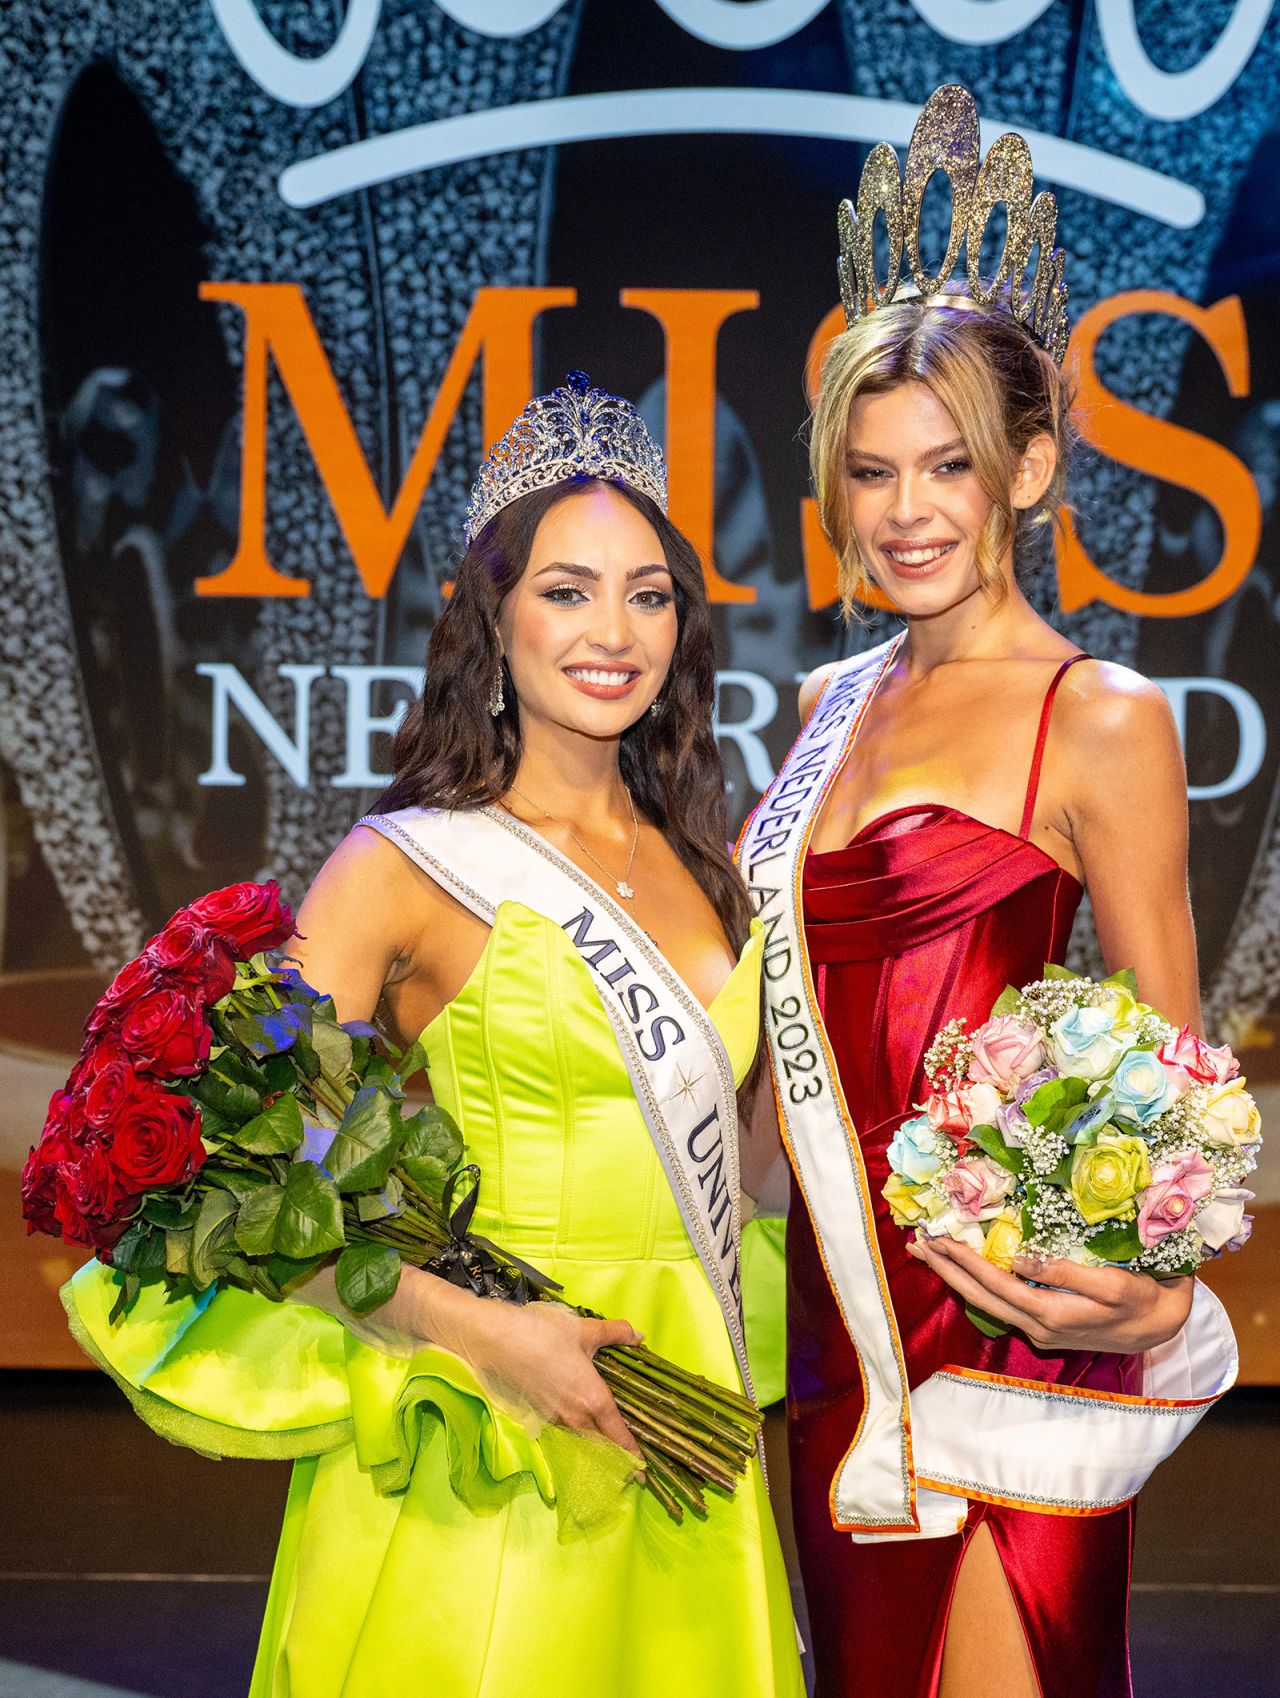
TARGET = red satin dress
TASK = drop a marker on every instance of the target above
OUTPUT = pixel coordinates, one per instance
(926, 915)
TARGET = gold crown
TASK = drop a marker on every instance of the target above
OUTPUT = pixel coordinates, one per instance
(946, 139)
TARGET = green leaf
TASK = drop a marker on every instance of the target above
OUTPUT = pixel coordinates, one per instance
(1083, 1123)
(1116, 1242)
(304, 1054)
(984, 1322)
(274, 1031)
(212, 1240)
(1127, 979)
(256, 1221)
(332, 1045)
(366, 1275)
(277, 1131)
(140, 1250)
(1053, 971)
(283, 1270)
(177, 1250)
(377, 1205)
(170, 1208)
(381, 1072)
(126, 1297)
(288, 977)
(281, 1074)
(1007, 1002)
(214, 1125)
(233, 1100)
(310, 1220)
(411, 1062)
(367, 1143)
(1056, 1097)
(433, 1147)
(234, 1179)
(990, 1141)
(253, 1276)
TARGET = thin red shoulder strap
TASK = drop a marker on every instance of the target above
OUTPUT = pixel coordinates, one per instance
(1037, 760)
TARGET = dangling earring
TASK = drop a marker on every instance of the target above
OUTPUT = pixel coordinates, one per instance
(496, 699)
(655, 706)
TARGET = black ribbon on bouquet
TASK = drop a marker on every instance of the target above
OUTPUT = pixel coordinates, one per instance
(474, 1262)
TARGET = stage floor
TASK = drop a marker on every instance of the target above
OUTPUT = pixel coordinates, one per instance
(132, 1569)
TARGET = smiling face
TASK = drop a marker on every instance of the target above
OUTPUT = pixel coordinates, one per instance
(916, 506)
(590, 629)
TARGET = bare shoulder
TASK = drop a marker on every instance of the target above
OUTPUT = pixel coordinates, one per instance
(813, 686)
(1100, 701)
(372, 887)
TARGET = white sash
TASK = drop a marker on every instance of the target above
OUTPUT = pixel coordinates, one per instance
(962, 1434)
(682, 1076)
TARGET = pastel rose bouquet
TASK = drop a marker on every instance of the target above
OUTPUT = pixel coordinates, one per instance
(222, 1126)
(1076, 1122)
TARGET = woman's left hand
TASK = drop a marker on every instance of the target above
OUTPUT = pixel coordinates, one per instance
(1086, 1309)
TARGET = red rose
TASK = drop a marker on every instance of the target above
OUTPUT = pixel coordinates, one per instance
(41, 1186)
(156, 1141)
(99, 1052)
(93, 1203)
(64, 1120)
(41, 1176)
(249, 916)
(166, 1034)
(193, 955)
(113, 1083)
(136, 979)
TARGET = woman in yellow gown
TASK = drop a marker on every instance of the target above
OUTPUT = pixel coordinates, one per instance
(463, 1518)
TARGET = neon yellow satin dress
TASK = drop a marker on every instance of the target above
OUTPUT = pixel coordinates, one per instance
(431, 1546)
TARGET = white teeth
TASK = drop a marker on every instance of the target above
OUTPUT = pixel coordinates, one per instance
(917, 556)
(598, 675)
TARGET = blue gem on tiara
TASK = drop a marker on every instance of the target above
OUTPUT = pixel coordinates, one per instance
(575, 431)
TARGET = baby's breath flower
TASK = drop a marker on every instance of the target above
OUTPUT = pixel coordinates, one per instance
(1180, 1125)
(1171, 1253)
(1043, 1149)
(1154, 1030)
(946, 1061)
(1047, 1000)
(1057, 1226)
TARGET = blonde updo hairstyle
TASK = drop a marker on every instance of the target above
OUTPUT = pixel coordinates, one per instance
(999, 387)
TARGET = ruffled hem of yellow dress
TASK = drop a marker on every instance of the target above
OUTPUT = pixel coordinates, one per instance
(233, 1374)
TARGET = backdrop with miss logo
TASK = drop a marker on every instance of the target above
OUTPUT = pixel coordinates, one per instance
(273, 273)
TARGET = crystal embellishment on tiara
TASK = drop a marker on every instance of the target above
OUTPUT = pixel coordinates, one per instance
(946, 139)
(574, 432)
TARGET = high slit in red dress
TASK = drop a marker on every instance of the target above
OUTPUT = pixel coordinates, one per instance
(924, 916)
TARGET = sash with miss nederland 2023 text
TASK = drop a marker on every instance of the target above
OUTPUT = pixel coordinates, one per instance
(682, 1077)
(963, 1433)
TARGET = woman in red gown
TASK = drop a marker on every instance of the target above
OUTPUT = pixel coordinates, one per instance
(994, 775)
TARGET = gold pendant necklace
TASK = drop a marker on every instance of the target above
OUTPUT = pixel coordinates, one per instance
(621, 885)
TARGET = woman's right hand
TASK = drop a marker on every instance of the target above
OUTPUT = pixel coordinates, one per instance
(541, 1355)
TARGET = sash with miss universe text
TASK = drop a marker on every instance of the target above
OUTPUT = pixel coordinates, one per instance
(962, 1434)
(682, 1076)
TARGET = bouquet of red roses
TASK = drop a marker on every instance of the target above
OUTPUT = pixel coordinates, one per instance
(119, 1129)
(223, 1126)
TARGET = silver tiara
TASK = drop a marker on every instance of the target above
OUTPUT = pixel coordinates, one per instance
(574, 432)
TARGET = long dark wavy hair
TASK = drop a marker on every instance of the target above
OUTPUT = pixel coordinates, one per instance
(450, 752)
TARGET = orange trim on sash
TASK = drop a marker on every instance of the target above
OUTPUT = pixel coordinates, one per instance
(1018, 1503)
(1118, 1397)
